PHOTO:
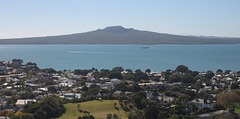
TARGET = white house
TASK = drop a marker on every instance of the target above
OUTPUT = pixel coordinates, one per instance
(107, 85)
(115, 81)
(201, 103)
(71, 95)
(21, 102)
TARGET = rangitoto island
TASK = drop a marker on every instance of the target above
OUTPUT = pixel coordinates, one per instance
(121, 35)
(28, 92)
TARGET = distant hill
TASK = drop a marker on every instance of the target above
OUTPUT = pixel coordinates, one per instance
(121, 35)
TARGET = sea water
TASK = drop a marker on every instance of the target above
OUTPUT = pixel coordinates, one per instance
(155, 57)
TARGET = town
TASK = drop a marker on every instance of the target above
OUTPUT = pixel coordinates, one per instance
(30, 92)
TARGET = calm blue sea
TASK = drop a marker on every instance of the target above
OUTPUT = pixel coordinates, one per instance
(157, 57)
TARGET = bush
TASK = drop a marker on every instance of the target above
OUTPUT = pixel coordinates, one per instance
(109, 116)
(23, 116)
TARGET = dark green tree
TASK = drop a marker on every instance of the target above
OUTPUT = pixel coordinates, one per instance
(49, 107)
(109, 116)
(129, 70)
(117, 69)
(182, 68)
(188, 78)
(147, 70)
(151, 112)
(136, 114)
(139, 75)
(209, 74)
(174, 78)
(117, 75)
(219, 71)
(227, 71)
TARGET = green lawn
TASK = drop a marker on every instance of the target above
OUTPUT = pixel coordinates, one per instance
(237, 109)
(96, 108)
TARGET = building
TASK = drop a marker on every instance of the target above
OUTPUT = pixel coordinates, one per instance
(202, 103)
(21, 102)
(115, 81)
(71, 95)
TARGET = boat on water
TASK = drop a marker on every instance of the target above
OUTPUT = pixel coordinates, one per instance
(145, 47)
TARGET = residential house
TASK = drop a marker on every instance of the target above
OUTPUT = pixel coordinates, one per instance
(104, 93)
(4, 117)
(71, 95)
(107, 85)
(202, 103)
(115, 81)
(22, 102)
(152, 95)
(3, 102)
(152, 83)
(165, 98)
(118, 93)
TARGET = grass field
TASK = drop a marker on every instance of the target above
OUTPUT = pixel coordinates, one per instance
(237, 109)
(96, 108)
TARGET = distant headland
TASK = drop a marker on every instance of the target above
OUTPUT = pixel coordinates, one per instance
(121, 35)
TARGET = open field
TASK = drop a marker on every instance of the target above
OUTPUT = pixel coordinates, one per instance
(96, 108)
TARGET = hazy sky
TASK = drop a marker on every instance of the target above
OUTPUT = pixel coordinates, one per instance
(25, 18)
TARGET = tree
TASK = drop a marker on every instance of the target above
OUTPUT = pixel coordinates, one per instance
(8, 93)
(136, 114)
(188, 78)
(181, 68)
(115, 116)
(93, 89)
(117, 75)
(148, 71)
(234, 86)
(226, 99)
(109, 116)
(193, 73)
(181, 104)
(167, 74)
(227, 71)
(128, 76)
(192, 95)
(49, 107)
(49, 70)
(209, 74)
(139, 100)
(219, 71)
(174, 78)
(102, 73)
(129, 70)
(118, 69)
(86, 117)
(82, 72)
(23, 116)
(135, 88)
(151, 112)
(121, 86)
(17, 61)
(12, 100)
(139, 75)
(52, 89)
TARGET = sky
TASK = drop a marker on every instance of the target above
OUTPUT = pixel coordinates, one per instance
(29, 18)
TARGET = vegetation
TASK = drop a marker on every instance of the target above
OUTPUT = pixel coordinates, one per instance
(90, 93)
(99, 109)
(49, 107)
